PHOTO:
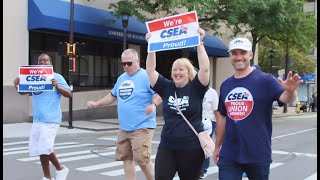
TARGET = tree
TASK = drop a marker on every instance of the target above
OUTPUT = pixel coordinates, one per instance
(300, 61)
(259, 18)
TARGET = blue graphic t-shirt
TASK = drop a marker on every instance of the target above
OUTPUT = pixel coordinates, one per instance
(134, 94)
(46, 104)
(247, 105)
(176, 134)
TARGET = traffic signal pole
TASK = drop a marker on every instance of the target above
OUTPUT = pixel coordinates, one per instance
(71, 62)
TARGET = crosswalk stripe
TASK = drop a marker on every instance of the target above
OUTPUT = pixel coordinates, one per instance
(61, 155)
(100, 166)
(83, 157)
(215, 169)
(312, 177)
(295, 153)
(118, 172)
(58, 155)
(55, 148)
(210, 170)
(15, 143)
(305, 154)
(274, 165)
(121, 171)
(21, 148)
(106, 138)
(294, 133)
(114, 139)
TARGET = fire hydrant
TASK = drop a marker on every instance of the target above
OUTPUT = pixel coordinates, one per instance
(298, 106)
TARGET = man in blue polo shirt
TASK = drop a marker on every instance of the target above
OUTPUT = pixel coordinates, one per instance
(244, 130)
(136, 113)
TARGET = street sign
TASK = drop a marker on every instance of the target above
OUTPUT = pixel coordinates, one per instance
(310, 81)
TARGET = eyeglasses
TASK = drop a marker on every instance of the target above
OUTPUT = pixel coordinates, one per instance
(126, 63)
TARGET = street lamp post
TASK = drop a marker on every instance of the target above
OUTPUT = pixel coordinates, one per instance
(70, 62)
(271, 51)
(286, 70)
(125, 21)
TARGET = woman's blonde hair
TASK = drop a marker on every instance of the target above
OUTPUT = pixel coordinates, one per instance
(186, 63)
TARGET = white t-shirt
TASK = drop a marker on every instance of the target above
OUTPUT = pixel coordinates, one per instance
(210, 104)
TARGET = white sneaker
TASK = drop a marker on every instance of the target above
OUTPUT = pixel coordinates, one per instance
(44, 178)
(62, 175)
(203, 175)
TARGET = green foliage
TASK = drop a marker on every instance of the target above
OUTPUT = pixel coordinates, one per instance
(282, 21)
(300, 61)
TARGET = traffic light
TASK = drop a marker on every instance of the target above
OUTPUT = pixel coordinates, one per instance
(68, 49)
(74, 49)
(81, 49)
(63, 48)
(77, 49)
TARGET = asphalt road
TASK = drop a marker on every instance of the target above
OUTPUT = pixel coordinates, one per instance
(294, 145)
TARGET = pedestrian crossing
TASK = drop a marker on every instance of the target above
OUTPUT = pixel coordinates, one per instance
(74, 152)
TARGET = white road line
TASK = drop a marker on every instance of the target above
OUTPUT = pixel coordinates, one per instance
(295, 153)
(215, 169)
(55, 148)
(121, 171)
(58, 155)
(100, 166)
(21, 148)
(76, 158)
(211, 170)
(293, 133)
(118, 172)
(15, 143)
(280, 152)
(312, 177)
(305, 154)
(274, 165)
(106, 138)
(114, 139)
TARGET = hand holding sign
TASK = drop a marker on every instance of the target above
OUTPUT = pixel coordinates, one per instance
(202, 33)
(174, 32)
(35, 78)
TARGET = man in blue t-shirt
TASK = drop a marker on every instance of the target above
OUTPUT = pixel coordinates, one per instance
(244, 130)
(47, 117)
(136, 113)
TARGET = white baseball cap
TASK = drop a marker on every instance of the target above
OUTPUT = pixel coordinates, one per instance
(240, 43)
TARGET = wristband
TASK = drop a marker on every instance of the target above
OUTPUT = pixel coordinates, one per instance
(154, 103)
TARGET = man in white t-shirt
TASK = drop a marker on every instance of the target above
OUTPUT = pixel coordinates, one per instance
(209, 116)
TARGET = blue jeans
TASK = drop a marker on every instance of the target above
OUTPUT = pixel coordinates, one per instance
(206, 162)
(229, 169)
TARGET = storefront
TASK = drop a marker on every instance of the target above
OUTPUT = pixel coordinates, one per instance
(48, 24)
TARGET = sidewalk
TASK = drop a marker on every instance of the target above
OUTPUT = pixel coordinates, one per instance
(105, 125)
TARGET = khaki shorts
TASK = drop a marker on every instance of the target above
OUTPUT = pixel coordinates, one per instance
(134, 145)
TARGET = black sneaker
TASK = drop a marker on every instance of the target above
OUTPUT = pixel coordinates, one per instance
(203, 175)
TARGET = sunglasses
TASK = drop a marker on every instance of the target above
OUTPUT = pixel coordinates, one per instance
(126, 63)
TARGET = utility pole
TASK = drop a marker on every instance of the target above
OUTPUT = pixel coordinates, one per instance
(286, 69)
(271, 51)
(71, 62)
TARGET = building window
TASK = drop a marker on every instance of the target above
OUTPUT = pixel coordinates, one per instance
(95, 70)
